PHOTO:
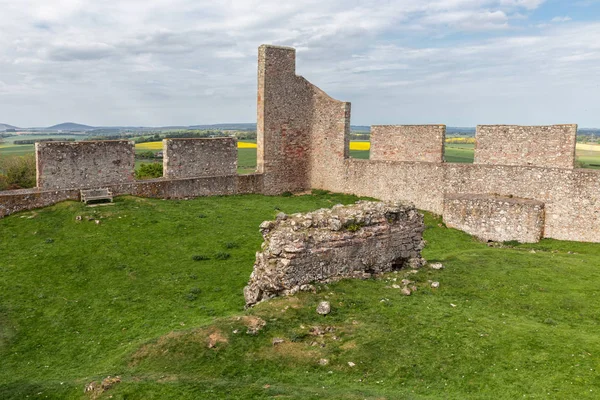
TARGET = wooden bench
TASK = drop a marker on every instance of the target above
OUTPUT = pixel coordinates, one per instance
(96, 195)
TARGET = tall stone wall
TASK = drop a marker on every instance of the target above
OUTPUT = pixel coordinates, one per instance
(541, 146)
(191, 158)
(408, 143)
(293, 115)
(79, 165)
(495, 218)
(346, 241)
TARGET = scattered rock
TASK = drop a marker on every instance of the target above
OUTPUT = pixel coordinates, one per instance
(91, 387)
(437, 266)
(323, 361)
(405, 282)
(277, 341)
(435, 285)
(351, 364)
(97, 222)
(452, 305)
(324, 308)
(317, 331)
(406, 291)
(95, 389)
(78, 218)
(413, 288)
(396, 286)
(109, 382)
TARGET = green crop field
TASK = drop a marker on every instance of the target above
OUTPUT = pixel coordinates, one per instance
(153, 294)
(459, 153)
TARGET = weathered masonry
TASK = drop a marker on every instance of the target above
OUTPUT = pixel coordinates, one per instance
(303, 143)
(347, 241)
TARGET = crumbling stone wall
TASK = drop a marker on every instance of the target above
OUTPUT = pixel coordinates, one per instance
(346, 241)
(82, 165)
(423, 143)
(12, 201)
(191, 158)
(293, 118)
(495, 218)
(541, 146)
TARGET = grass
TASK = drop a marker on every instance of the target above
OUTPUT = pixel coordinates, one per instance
(80, 301)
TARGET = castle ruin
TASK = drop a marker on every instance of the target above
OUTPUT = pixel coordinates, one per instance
(522, 186)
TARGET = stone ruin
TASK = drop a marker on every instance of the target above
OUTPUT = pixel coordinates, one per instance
(329, 244)
(303, 143)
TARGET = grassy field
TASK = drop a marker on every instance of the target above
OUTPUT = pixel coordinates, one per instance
(454, 152)
(80, 301)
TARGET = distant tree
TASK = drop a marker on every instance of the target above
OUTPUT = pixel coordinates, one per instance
(149, 171)
(18, 172)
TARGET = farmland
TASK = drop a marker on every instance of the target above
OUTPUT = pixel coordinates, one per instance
(588, 156)
(79, 303)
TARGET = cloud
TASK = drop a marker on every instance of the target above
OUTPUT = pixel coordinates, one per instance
(561, 19)
(167, 62)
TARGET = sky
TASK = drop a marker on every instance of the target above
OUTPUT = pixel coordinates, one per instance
(186, 62)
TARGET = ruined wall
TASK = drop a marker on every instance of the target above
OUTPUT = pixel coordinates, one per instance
(542, 146)
(191, 158)
(495, 218)
(571, 196)
(82, 165)
(346, 241)
(408, 143)
(292, 114)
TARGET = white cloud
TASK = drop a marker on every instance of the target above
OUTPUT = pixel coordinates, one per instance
(162, 62)
(561, 19)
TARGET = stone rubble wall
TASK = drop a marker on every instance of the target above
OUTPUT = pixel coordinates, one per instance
(345, 241)
(541, 146)
(293, 116)
(12, 201)
(84, 165)
(495, 218)
(194, 158)
(423, 143)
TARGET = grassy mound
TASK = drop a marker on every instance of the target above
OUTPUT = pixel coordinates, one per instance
(151, 291)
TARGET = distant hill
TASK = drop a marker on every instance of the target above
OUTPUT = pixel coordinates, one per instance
(7, 126)
(71, 126)
(234, 127)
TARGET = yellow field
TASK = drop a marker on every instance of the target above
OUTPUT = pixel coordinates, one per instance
(149, 146)
(360, 145)
(588, 147)
(245, 145)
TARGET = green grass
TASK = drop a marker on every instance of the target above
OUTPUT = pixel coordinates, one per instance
(459, 153)
(139, 294)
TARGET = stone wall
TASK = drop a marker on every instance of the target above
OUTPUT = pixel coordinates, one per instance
(303, 143)
(12, 201)
(408, 143)
(541, 146)
(191, 158)
(293, 116)
(495, 218)
(82, 165)
(346, 241)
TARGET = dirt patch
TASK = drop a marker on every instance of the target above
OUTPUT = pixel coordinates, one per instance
(210, 337)
(216, 338)
(253, 323)
(291, 351)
